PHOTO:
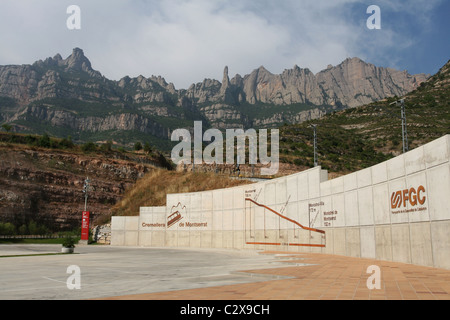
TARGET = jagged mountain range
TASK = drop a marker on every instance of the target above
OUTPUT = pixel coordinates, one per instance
(68, 97)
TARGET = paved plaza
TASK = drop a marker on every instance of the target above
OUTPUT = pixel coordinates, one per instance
(120, 273)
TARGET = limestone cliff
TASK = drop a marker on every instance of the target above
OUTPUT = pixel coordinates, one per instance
(60, 95)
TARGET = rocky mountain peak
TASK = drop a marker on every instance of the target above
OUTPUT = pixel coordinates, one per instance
(225, 81)
(349, 84)
(57, 57)
(78, 61)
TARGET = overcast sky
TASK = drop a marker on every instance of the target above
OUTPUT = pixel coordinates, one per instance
(186, 41)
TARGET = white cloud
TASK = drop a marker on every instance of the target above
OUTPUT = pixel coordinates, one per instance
(186, 41)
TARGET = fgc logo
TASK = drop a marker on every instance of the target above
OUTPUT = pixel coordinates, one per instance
(414, 196)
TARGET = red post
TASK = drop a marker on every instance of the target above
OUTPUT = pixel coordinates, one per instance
(85, 226)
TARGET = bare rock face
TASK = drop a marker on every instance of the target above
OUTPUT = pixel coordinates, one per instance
(352, 83)
(69, 93)
(46, 186)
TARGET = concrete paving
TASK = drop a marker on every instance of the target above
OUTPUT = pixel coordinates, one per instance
(116, 271)
(124, 273)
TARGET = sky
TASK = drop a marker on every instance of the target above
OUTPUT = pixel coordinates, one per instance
(186, 41)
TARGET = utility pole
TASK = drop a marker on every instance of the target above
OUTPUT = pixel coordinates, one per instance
(85, 190)
(314, 126)
(401, 102)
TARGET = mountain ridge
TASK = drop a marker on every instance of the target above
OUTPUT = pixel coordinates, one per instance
(78, 97)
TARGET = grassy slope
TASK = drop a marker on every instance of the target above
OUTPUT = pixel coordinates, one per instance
(153, 188)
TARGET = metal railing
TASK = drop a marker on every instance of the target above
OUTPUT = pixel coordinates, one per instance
(30, 236)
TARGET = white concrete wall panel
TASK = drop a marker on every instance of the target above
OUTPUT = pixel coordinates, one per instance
(132, 223)
(336, 241)
(337, 185)
(227, 220)
(302, 186)
(217, 200)
(227, 199)
(437, 152)
(291, 188)
(364, 178)
(438, 192)
(145, 238)
(365, 206)
(381, 204)
(131, 231)
(368, 245)
(269, 194)
(117, 238)
(379, 173)
(158, 239)
(383, 242)
(396, 167)
(351, 208)
(338, 206)
(117, 223)
(353, 242)
(171, 238)
(350, 182)
(325, 188)
(217, 222)
(401, 244)
(397, 210)
(440, 243)
(238, 198)
(314, 182)
(421, 251)
(281, 191)
(415, 161)
(207, 201)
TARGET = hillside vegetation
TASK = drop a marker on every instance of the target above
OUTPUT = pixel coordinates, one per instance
(360, 137)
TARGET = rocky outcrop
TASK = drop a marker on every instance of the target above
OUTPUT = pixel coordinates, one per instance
(350, 84)
(102, 234)
(46, 186)
(69, 93)
(122, 121)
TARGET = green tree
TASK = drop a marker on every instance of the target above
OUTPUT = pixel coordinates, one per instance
(7, 127)
(89, 147)
(44, 141)
(23, 229)
(67, 143)
(32, 228)
(7, 229)
(147, 148)
(107, 146)
(138, 146)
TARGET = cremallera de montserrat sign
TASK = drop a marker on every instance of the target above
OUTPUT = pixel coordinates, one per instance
(214, 151)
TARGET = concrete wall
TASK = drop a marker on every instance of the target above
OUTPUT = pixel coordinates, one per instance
(398, 210)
